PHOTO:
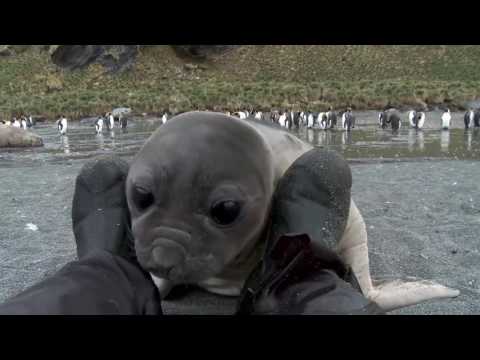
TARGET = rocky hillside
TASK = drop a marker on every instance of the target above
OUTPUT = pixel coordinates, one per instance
(81, 80)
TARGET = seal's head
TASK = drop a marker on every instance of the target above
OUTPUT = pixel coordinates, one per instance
(199, 193)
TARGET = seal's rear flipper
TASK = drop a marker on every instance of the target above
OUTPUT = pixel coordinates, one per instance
(396, 294)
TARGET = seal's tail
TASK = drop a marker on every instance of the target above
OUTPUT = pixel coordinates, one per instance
(396, 294)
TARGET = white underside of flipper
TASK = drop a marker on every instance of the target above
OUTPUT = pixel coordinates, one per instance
(396, 294)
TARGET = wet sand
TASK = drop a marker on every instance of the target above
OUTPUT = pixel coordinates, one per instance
(422, 210)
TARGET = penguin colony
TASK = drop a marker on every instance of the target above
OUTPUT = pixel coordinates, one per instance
(343, 120)
(346, 119)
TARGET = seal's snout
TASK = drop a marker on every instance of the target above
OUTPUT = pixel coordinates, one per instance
(171, 234)
(166, 255)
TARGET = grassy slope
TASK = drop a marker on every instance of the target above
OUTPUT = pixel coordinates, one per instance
(306, 77)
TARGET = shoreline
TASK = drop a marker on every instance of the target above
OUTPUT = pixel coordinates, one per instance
(139, 114)
(367, 117)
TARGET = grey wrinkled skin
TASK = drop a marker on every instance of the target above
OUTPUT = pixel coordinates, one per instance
(211, 159)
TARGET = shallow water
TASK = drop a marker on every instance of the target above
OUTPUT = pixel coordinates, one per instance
(392, 184)
(366, 141)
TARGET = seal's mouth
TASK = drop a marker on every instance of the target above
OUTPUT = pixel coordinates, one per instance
(190, 270)
(176, 255)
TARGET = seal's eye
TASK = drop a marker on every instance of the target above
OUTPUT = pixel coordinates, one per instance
(143, 198)
(225, 212)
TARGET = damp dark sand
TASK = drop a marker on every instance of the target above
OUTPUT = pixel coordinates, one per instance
(419, 192)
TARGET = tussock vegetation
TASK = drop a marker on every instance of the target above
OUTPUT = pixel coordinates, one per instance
(265, 77)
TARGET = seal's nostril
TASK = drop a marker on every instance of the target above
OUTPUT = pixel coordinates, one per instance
(168, 255)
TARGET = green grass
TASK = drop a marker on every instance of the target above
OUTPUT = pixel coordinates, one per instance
(298, 77)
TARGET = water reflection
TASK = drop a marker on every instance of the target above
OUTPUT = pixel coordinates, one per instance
(65, 144)
(369, 142)
(468, 140)
(420, 140)
(322, 138)
(112, 138)
(100, 141)
(406, 143)
(346, 138)
(310, 134)
(445, 140)
(416, 140)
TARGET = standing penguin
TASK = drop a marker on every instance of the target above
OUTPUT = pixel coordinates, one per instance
(23, 123)
(62, 125)
(412, 116)
(331, 118)
(468, 118)
(296, 119)
(99, 125)
(310, 120)
(446, 118)
(382, 120)
(303, 118)
(322, 120)
(282, 120)
(289, 120)
(291, 115)
(273, 116)
(390, 116)
(164, 118)
(16, 123)
(347, 120)
(352, 117)
(30, 121)
(123, 122)
(396, 121)
(476, 118)
(420, 120)
(111, 121)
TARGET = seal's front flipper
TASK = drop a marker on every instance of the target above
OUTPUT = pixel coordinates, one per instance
(396, 294)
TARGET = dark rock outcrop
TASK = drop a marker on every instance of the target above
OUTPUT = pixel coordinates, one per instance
(14, 137)
(202, 52)
(115, 58)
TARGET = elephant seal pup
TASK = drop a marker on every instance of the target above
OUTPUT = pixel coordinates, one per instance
(199, 194)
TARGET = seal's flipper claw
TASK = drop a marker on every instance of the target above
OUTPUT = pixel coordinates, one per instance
(397, 294)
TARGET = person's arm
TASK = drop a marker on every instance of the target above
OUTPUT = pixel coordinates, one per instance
(99, 284)
(107, 278)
